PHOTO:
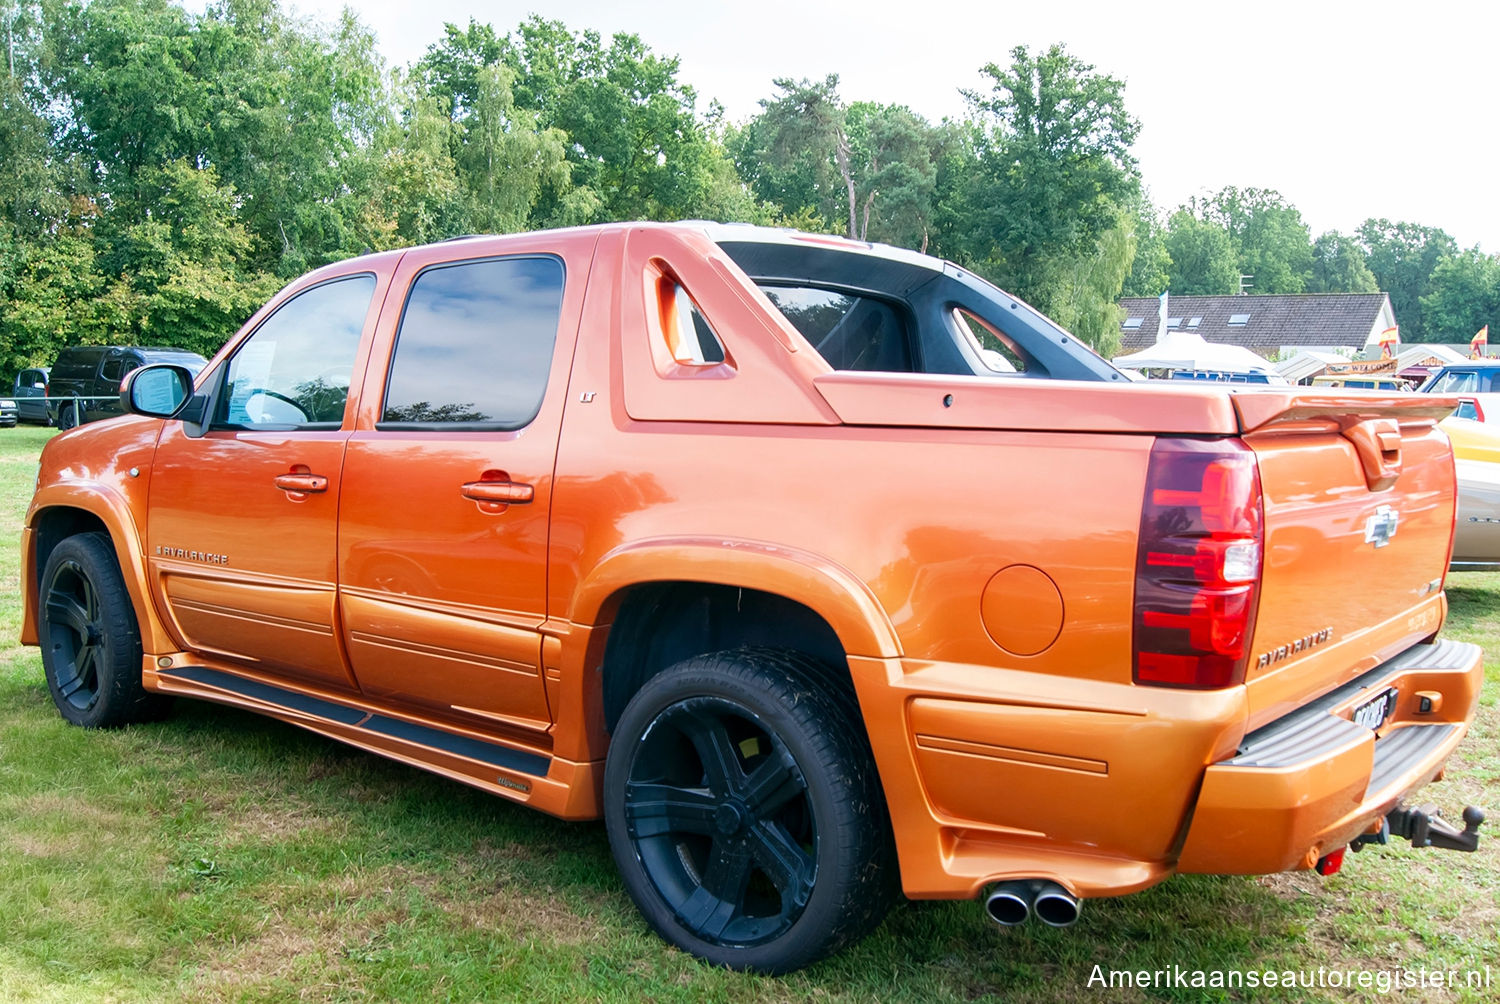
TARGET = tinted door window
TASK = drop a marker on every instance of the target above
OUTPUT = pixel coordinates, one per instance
(295, 369)
(475, 345)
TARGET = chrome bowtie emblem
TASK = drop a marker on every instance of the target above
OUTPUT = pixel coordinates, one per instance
(1381, 527)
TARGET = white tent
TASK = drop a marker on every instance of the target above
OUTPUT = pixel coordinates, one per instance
(1186, 350)
(1308, 363)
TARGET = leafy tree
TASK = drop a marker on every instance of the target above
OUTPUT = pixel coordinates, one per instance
(1465, 297)
(635, 141)
(505, 159)
(185, 262)
(1404, 258)
(59, 297)
(125, 77)
(895, 156)
(1054, 176)
(32, 199)
(451, 67)
(293, 106)
(803, 134)
(1203, 262)
(1339, 266)
(415, 194)
(1270, 242)
(1083, 291)
(1151, 267)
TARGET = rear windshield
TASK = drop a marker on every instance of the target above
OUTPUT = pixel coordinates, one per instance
(850, 331)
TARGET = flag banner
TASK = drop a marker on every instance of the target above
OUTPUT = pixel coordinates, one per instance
(1388, 338)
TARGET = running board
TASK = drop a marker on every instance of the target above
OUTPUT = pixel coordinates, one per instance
(356, 720)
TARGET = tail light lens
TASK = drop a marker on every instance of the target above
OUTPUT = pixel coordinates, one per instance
(1198, 564)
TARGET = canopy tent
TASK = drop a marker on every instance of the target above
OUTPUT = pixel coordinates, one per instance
(1186, 350)
(1307, 364)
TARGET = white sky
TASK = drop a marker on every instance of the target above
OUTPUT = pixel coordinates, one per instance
(1350, 110)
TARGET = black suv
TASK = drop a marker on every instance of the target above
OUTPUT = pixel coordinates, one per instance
(85, 383)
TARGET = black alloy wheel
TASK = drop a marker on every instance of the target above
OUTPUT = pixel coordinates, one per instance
(744, 812)
(91, 644)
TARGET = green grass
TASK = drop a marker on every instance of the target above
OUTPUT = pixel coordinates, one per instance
(219, 856)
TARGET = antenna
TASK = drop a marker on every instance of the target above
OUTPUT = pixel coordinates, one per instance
(1245, 283)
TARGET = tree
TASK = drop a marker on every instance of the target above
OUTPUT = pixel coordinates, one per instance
(804, 134)
(1403, 258)
(183, 265)
(1266, 233)
(505, 158)
(451, 67)
(1339, 266)
(635, 141)
(415, 195)
(1083, 292)
(1465, 297)
(1055, 175)
(1151, 267)
(1203, 262)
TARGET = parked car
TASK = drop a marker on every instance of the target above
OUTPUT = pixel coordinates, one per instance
(732, 536)
(1476, 460)
(85, 379)
(1360, 382)
(30, 391)
(7, 412)
(1477, 381)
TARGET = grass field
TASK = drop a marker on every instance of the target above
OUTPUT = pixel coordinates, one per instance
(219, 856)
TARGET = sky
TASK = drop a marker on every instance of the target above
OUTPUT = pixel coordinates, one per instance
(1349, 110)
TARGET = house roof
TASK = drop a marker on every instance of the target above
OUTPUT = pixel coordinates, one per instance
(1273, 321)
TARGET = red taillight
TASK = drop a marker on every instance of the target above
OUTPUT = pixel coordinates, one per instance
(1197, 571)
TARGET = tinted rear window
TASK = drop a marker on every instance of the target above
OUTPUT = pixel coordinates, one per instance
(475, 344)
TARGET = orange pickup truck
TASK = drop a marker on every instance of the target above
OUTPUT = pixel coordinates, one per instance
(818, 569)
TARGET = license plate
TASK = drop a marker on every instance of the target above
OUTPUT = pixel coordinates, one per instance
(1373, 713)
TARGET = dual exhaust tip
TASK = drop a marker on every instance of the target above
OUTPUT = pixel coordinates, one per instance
(1012, 903)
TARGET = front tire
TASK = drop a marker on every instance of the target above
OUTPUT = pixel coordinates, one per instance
(744, 811)
(67, 418)
(91, 644)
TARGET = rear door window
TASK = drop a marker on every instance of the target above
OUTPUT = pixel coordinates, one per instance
(475, 345)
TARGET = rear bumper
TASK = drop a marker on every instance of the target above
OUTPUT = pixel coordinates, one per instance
(1309, 783)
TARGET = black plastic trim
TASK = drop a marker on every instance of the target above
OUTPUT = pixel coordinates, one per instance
(420, 735)
(267, 694)
(423, 735)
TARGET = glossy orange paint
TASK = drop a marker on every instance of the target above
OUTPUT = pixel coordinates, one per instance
(972, 543)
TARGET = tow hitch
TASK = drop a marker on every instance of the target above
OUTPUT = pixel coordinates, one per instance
(1425, 828)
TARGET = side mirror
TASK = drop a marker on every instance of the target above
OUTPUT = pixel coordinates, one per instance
(159, 391)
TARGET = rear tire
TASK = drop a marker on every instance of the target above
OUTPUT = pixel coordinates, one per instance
(744, 811)
(91, 644)
(67, 417)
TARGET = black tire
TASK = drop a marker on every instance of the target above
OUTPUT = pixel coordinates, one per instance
(67, 417)
(91, 644)
(744, 811)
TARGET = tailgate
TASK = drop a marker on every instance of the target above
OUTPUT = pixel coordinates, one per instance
(1359, 502)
